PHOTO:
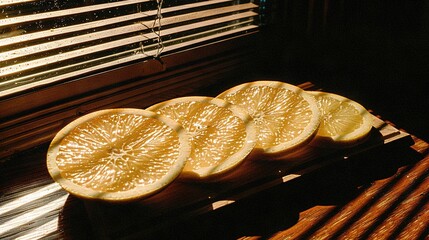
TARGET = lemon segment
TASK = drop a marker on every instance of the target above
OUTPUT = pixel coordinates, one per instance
(221, 135)
(286, 116)
(344, 122)
(118, 154)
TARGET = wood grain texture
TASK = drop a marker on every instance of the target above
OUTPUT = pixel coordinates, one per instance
(368, 192)
(395, 207)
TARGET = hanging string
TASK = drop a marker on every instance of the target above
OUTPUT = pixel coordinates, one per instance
(156, 28)
(139, 9)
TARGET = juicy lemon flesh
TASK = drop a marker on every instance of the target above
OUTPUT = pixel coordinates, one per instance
(117, 152)
(339, 118)
(280, 114)
(214, 132)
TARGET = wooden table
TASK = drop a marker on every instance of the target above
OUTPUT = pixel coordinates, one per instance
(378, 193)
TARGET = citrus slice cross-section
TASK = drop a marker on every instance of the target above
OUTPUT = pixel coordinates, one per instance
(118, 154)
(286, 116)
(344, 122)
(221, 135)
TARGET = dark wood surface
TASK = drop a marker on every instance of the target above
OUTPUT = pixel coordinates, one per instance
(380, 193)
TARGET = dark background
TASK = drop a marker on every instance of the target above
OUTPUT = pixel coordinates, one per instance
(373, 51)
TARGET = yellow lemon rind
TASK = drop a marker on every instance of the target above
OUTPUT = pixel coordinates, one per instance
(120, 196)
(345, 140)
(233, 161)
(277, 151)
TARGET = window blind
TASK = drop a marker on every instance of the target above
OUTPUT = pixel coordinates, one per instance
(47, 42)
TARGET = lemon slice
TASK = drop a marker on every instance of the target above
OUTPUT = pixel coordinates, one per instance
(344, 122)
(222, 135)
(118, 154)
(286, 116)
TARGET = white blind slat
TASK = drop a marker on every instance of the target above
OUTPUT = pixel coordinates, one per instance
(100, 47)
(131, 58)
(144, 26)
(73, 28)
(48, 55)
(101, 23)
(63, 13)
(5, 3)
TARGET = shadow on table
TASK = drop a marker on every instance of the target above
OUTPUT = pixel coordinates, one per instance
(279, 208)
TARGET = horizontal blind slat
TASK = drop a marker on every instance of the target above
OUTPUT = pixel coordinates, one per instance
(76, 53)
(68, 55)
(100, 23)
(73, 28)
(124, 60)
(118, 31)
(221, 34)
(21, 52)
(216, 19)
(207, 13)
(5, 3)
(209, 22)
(67, 12)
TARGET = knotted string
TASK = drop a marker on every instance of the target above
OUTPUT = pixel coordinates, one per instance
(156, 29)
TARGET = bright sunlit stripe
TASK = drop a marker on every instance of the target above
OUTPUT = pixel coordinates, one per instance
(46, 190)
(290, 177)
(65, 12)
(11, 2)
(41, 231)
(33, 214)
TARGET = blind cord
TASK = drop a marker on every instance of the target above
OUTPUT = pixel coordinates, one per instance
(156, 28)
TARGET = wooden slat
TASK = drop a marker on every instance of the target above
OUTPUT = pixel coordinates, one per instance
(62, 94)
(33, 206)
(31, 203)
(182, 200)
(113, 98)
(37, 130)
(188, 82)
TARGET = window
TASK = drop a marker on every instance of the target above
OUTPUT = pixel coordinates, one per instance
(60, 59)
